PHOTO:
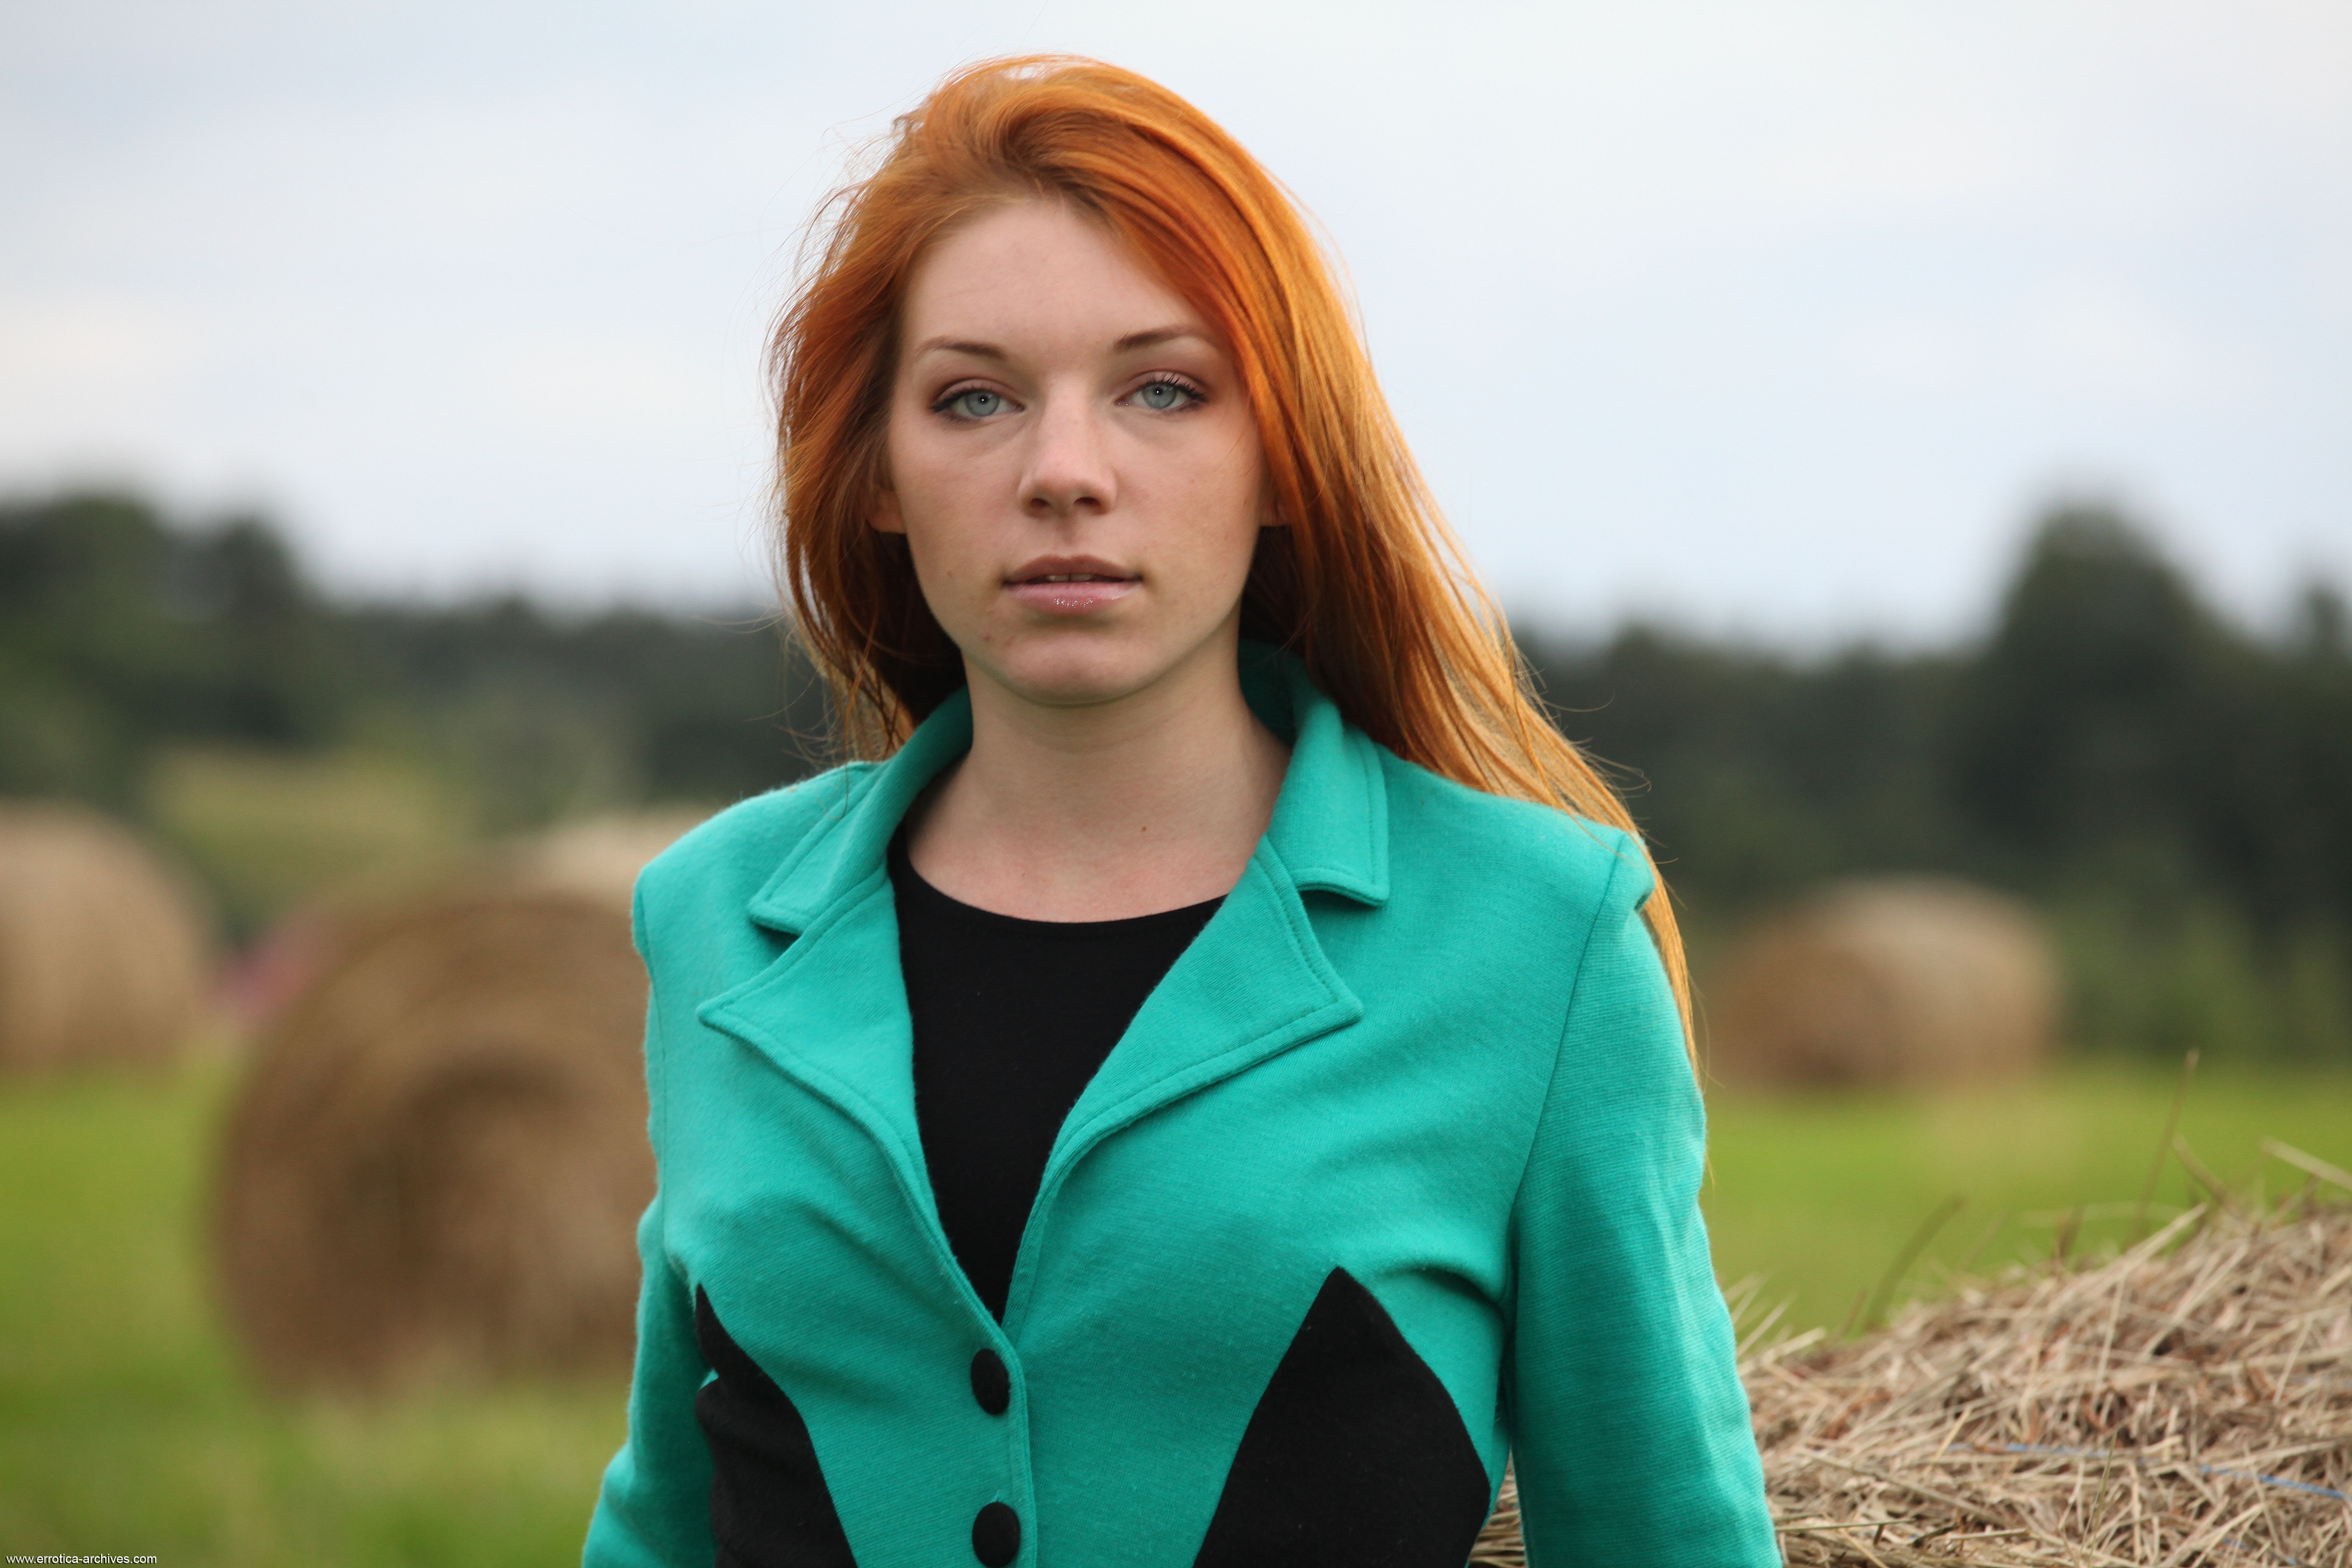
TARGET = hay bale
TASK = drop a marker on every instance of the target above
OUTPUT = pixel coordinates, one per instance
(1500, 1544)
(438, 1159)
(1895, 981)
(104, 957)
(2190, 1401)
(2187, 1403)
(596, 856)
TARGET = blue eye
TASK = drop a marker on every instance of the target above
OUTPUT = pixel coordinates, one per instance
(976, 403)
(1161, 396)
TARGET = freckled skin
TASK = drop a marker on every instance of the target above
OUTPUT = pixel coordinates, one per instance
(1073, 459)
(1058, 413)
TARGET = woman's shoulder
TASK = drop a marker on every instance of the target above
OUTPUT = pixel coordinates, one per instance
(725, 861)
(1501, 850)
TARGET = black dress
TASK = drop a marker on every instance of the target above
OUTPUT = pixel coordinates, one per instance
(1011, 1018)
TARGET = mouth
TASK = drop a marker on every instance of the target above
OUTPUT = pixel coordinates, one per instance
(1070, 586)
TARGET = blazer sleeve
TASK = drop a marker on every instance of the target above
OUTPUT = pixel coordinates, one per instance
(653, 1511)
(1630, 1429)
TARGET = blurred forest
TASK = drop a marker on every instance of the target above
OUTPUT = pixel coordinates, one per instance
(2174, 790)
(192, 677)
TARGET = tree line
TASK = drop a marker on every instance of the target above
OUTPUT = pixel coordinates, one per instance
(124, 635)
(2172, 788)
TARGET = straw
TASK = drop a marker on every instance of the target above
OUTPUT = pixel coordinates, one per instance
(2186, 1403)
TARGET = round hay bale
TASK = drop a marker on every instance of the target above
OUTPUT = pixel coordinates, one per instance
(2192, 1394)
(1886, 981)
(596, 856)
(438, 1159)
(2188, 1401)
(104, 957)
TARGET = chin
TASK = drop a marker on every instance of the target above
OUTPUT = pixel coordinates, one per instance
(1082, 668)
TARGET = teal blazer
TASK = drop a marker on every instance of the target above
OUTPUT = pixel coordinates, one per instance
(1394, 1175)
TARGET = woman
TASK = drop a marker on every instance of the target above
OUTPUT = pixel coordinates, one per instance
(1213, 1084)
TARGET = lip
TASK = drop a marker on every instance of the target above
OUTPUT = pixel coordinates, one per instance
(1103, 585)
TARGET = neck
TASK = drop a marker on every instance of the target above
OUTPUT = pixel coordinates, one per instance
(1149, 802)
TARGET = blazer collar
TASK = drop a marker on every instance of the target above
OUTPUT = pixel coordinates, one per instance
(1255, 982)
(1330, 828)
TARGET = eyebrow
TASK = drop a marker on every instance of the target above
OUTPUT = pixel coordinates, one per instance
(1152, 339)
(1149, 339)
(960, 346)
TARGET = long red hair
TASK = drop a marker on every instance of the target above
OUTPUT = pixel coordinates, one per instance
(1365, 582)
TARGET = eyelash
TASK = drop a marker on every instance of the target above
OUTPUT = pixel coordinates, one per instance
(945, 403)
(1182, 384)
(944, 406)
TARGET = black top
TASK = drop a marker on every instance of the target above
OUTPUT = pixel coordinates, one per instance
(1012, 1018)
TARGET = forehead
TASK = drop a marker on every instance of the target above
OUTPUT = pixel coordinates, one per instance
(1037, 274)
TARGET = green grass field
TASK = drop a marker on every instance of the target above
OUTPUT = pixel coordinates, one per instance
(127, 1426)
(1821, 1197)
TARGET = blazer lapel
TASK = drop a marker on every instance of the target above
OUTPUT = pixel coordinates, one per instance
(831, 1010)
(831, 1013)
(1255, 982)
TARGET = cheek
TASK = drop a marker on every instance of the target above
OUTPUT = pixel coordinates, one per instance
(1205, 573)
(939, 504)
(1229, 504)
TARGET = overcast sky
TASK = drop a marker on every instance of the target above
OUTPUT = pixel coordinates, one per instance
(1772, 317)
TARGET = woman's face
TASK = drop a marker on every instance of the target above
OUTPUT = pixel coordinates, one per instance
(1071, 460)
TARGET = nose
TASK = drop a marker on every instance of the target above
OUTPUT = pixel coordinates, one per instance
(1069, 472)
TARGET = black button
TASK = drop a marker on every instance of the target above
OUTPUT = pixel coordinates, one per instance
(992, 1386)
(996, 1535)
